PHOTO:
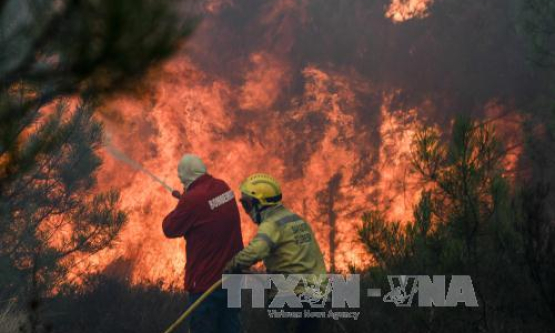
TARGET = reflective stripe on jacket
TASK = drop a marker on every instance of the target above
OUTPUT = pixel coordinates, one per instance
(286, 244)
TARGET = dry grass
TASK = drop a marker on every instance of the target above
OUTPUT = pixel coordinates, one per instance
(11, 320)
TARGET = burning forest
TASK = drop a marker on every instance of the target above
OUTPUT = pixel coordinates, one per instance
(390, 139)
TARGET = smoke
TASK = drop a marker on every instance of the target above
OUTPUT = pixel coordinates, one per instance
(460, 56)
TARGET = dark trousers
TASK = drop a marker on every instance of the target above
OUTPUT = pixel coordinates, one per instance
(213, 315)
(297, 325)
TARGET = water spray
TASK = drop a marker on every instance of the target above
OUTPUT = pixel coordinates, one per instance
(119, 155)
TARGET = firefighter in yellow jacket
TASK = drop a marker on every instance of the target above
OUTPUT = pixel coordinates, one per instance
(284, 241)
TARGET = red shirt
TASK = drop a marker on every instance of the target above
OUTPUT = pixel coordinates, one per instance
(208, 218)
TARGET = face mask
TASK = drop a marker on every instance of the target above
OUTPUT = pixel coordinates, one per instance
(247, 204)
(256, 215)
(252, 208)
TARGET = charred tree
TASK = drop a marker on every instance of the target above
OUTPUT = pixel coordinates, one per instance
(328, 198)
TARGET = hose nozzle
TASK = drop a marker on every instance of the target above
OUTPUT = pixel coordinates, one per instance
(176, 194)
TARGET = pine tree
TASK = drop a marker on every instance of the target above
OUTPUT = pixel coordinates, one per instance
(82, 50)
(469, 221)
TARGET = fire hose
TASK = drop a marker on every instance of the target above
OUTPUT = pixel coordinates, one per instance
(193, 306)
(176, 194)
(119, 155)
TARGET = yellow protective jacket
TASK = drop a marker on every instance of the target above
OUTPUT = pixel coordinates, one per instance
(286, 244)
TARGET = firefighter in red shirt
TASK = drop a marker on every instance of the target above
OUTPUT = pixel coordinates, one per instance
(208, 218)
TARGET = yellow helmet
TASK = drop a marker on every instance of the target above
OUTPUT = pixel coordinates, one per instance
(263, 187)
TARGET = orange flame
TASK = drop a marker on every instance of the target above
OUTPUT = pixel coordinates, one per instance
(234, 129)
(403, 10)
(334, 157)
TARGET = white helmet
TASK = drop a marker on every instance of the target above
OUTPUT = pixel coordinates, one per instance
(190, 168)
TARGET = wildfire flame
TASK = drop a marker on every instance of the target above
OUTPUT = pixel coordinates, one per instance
(333, 159)
(317, 150)
(403, 10)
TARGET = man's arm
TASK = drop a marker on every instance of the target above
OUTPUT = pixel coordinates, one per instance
(179, 221)
(258, 249)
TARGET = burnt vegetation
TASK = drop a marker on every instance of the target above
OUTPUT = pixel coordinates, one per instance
(60, 59)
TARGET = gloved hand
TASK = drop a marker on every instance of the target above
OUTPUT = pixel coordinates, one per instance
(232, 268)
(176, 194)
